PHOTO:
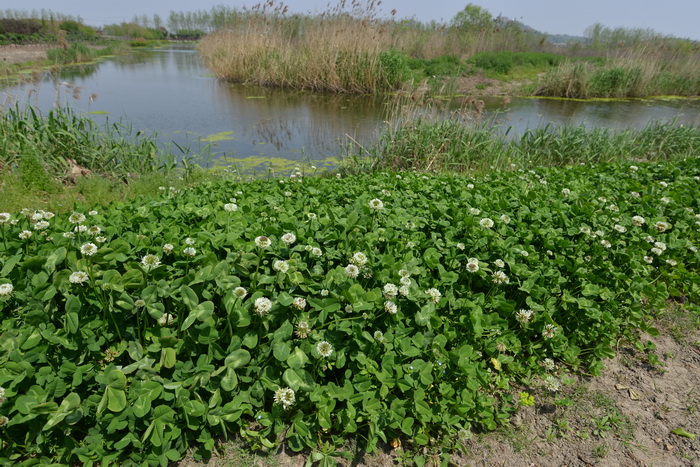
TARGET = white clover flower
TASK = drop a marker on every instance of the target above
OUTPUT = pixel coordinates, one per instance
(620, 228)
(100, 239)
(501, 347)
(599, 233)
(324, 292)
(499, 263)
(94, 230)
(4, 217)
(606, 244)
(671, 262)
(470, 186)
(548, 364)
(662, 226)
(68, 235)
(663, 184)
(486, 222)
(460, 246)
(633, 168)
(376, 204)
(25, 234)
(660, 245)
(390, 307)
(280, 266)
(352, 271)
(474, 211)
(302, 329)
(549, 331)
(410, 245)
(41, 225)
(315, 251)
(78, 277)
(263, 242)
(299, 303)
(566, 192)
(289, 238)
(585, 230)
(404, 290)
(308, 248)
(6, 289)
(434, 294)
(311, 216)
(405, 281)
(230, 207)
(348, 308)
(665, 200)
(76, 218)
(694, 249)
(551, 383)
(410, 225)
(649, 259)
(523, 316)
(189, 251)
(524, 253)
(81, 228)
(262, 305)
(657, 251)
(324, 348)
(505, 219)
(240, 292)
(285, 398)
(166, 320)
(359, 259)
(613, 208)
(473, 265)
(168, 248)
(649, 239)
(390, 291)
(638, 221)
(378, 336)
(499, 277)
(190, 241)
(88, 249)
(92, 213)
(150, 261)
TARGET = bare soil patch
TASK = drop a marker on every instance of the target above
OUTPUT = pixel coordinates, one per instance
(14, 54)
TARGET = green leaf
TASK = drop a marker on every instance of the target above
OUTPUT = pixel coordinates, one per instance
(297, 359)
(683, 433)
(299, 379)
(133, 279)
(189, 297)
(72, 322)
(237, 359)
(281, 351)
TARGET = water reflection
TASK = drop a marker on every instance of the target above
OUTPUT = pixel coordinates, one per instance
(170, 92)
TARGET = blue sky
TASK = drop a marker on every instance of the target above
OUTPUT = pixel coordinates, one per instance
(672, 17)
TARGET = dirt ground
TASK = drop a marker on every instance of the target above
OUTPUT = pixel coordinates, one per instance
(14, 54)
(625, 417)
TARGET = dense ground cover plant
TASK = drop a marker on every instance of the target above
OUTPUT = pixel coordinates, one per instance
(383, 306)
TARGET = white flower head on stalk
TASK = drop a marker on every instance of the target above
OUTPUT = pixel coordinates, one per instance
(524, 316)
(263, 305)
(499, 263)
(378, 336)
(289, 238)
(81, 228)
(551, 383)
(390, 291)
(662, 226)
(285, 397)
(68, 235)
(474, 211)
(460, 246)
(473, 265)
(324, 348)
(100, 239)
(280, 266)
(78, 277)
(94, 230)
(311, 216)
(5, 217)
(549, 331)
(605, 243)
(189, 251)
(240, 292)
(190, 241)
(41, 225)
(359, 259)
(316, 251)
(505, 219)
(140, 303)
(620, 228)
(352, 271)
(633, 168)
(25, 234)
(263, 242)
(6, 290)
(434, 294)
(672, 262)
(390, 307)
(649, 259)
(404, 290)
(638, 221)
(150, 262)
(166, 320)
(230, 207)
(299, 303)
(486, 223)
(76, 218)
(88, 249)
(303, 329)
(405, 281)
(168, 248)
(376, 204)
(499, 277)
(565, 191)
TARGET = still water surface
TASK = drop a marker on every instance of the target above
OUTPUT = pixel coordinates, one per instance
(171, 93)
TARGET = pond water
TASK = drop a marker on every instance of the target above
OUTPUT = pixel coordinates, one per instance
(171, 93)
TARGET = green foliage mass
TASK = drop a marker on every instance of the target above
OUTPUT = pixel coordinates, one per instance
(403, 306)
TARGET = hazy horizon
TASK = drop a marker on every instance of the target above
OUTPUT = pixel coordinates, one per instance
(676, 17)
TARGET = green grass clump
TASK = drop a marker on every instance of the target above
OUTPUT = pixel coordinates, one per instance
(504, 62)
(378, 307)
(78, 52)
(456, 145)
